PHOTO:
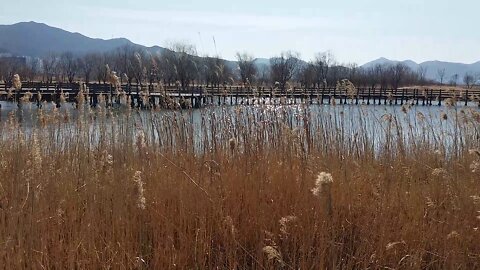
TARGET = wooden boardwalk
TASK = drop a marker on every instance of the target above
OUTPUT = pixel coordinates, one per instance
(198, 96)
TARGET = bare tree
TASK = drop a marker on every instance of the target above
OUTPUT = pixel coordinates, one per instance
(49, 63)
(382, 74)
(469, 80)
(12, 66)
(454, 80)
(124, 62)
(166, 68)
(138, 69)
(208, 67)
(352, 70)
(3, 68)
(441, 75)
(152, 68)
(68, 66)
(337, 73)
(307, 75)
(365, 80)
(283, 67)
(216, 71)
(31, 69)
(422, 74)
(398, 73)
(263, 74)
(321, 65)
(182, 59)
(85, 66)
(372, 77)
(100, 70)
(247, 68)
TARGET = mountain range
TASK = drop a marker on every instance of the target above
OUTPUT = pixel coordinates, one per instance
(432, 68)
(37, 39)
(33, 39)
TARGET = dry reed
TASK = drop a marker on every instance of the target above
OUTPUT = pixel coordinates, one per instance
(240, 189)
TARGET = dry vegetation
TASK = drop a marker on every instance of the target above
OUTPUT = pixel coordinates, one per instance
(443, 87)
(247, 188)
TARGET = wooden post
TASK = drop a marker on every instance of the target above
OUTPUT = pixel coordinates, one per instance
(48, 86)
(111, 94)
(38, 93)
(260, 95)
(302, 95)
(427, 97)
(271, 94)
(440, 98)
(57, 95)
(313, 94)
(293, 96)
(396, 96)
(466, 98)
(323, 95)
(225, 95)
(236, 96)
(368, 98)
(151, 101)
(340, 97)
(17, 97)
(201, 99)
(330, 97)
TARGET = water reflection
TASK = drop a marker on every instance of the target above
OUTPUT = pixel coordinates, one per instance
(438, 125)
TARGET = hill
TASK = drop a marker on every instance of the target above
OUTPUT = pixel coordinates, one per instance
(38, 39)
(432, 68)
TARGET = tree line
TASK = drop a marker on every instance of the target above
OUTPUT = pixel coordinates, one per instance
(181, 65)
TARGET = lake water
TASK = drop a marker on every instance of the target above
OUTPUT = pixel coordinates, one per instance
(438, 125)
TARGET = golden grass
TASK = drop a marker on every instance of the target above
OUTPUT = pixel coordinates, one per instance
(240, 189)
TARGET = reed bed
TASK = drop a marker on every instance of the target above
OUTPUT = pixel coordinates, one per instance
(266, 187)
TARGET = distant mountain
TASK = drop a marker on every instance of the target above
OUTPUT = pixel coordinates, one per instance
(432, 68)
(38, 39)
(262, 61)
(384, 61)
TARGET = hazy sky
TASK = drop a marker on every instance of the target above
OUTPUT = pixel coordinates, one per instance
(354, 30)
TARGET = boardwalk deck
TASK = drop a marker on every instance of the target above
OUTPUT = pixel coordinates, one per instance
(200, 95)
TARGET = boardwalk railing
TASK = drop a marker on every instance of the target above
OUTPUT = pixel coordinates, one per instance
(200, 95)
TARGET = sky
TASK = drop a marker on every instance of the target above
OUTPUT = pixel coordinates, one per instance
(355, 31)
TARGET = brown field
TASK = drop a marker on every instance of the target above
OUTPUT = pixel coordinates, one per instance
(140, 190)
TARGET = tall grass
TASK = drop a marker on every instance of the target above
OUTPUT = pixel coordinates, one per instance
(240, 188)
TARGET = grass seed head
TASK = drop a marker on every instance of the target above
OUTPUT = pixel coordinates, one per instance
(323, 181)
(17, 83)
(141, 201)
(273, 254)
